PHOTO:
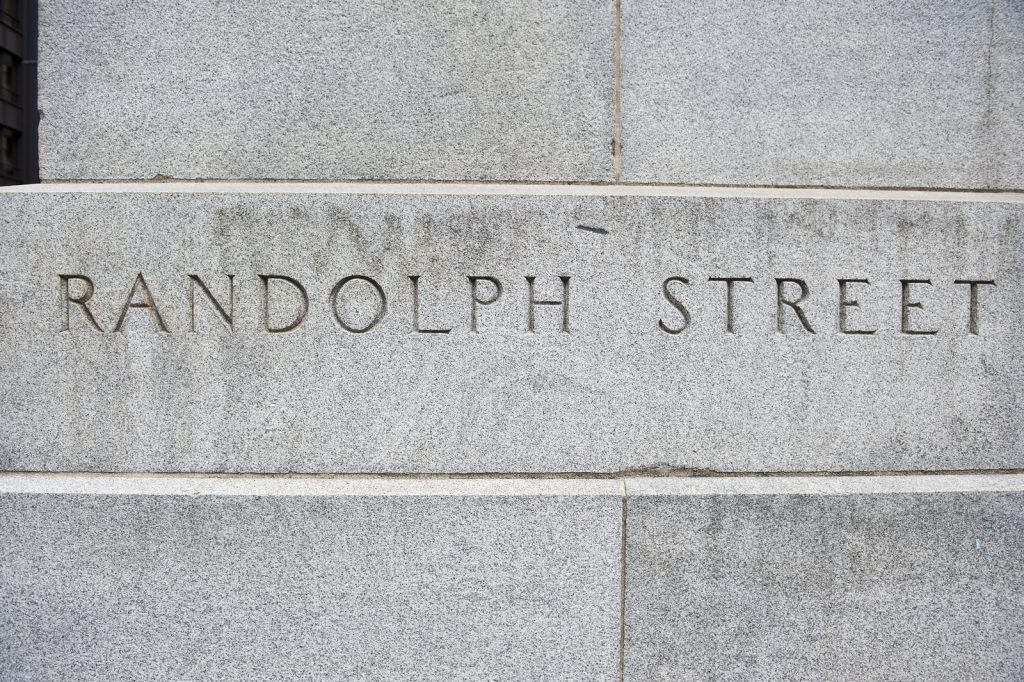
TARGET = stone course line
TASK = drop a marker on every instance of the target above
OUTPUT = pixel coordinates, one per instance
(619, 476)
(518, 189)
(277, 484)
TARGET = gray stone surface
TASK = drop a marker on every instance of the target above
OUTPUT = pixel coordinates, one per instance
(187, 579)
(615, 392)
(444, 89)
(865, 93)
(825, 579)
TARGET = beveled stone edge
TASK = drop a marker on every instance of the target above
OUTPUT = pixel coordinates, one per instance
(196, 485)
(512, 189)
(824, 485)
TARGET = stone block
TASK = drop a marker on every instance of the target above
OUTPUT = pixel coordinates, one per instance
(148, 578)
(849, 578)
(323, 328)
(444, 89)
(838, 93)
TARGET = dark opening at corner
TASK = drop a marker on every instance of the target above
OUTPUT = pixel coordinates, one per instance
(19, 115)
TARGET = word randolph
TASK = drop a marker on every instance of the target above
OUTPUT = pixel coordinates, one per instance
(790, 297)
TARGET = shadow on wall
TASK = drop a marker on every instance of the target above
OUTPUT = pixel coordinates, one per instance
(19, 117)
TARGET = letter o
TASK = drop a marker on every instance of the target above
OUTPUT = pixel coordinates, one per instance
(382, 306)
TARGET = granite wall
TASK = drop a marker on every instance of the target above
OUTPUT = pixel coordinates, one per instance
(534, 340)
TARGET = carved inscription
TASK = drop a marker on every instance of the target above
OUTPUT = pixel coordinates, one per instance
(226, 316)
(303, 307)
(846, 302)
(793, 293)
(477, 300)
(286, 303)
(359, 304)
(80, 299)
(382, 303)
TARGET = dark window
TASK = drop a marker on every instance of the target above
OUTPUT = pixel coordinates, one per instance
(8, 153)
(9, 12)
(8, 78)
(19, 159)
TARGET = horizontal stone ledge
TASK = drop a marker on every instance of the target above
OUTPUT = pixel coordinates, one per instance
(198, 485)
(162, 331)
(240, 485)
(822, 485)
(504, 189)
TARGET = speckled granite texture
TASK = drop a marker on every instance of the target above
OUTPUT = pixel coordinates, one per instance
(853, 93)
(912, 578)
(188, 579)
(438, 89)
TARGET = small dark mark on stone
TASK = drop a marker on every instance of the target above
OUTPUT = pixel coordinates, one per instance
(588, 228)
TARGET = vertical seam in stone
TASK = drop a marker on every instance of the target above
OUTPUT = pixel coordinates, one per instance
(617, 116)
(622, 588)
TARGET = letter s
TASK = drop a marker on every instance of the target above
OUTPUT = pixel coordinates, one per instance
(677, 304)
